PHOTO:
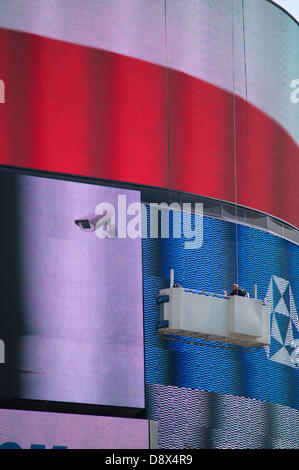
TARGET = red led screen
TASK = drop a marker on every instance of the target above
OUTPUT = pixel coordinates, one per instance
(84, 111)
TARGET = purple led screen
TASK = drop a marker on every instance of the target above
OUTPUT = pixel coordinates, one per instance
(34, 429)
(73, 317)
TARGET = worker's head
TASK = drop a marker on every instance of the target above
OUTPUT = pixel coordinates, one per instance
(235, 287)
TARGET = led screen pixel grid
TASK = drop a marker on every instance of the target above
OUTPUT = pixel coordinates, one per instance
(261, 373)
(36, 430)
(199, 419)
(71, 315)
(66, 122)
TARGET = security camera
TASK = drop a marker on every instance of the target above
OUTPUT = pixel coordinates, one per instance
(93, 222)
(89, 223)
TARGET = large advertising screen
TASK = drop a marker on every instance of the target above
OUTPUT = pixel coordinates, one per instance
(71, 317)
(230, 253)
(202, 94)
(20, 429)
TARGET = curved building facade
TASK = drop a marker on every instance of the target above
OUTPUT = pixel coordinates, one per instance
(163, 100)
(196, 93)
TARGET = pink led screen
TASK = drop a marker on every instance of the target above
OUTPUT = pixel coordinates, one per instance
(34, 429)
(72, 313)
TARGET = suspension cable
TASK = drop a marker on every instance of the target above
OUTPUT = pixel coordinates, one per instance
(248, 136)
(235, 148)
(168, 126)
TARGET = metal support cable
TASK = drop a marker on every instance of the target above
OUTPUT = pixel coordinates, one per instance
(168, 123)
(248, 133)
(235, 145)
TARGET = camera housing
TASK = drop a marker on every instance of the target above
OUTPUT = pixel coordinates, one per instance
(92, 222)
(88, 223)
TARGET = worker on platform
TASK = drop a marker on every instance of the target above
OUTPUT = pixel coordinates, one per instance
(237, 290)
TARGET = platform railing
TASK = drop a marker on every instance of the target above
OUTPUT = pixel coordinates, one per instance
(209, 294)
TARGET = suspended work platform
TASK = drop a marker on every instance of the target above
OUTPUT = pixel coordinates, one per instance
(228, 319)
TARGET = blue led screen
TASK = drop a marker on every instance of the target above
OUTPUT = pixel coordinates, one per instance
(229, 253)
(198, 419)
